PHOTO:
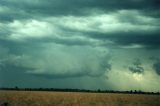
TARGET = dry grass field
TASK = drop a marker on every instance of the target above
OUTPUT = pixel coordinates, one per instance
(36, 98)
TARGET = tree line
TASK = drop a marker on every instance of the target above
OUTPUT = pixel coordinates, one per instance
(80, 90)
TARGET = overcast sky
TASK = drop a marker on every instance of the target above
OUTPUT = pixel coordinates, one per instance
(89, 44)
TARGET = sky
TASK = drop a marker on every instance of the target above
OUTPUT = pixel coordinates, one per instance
(85, 44)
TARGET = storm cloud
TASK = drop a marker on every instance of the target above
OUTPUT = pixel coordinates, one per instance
(156, 67)
(136, 67)
(83, 40)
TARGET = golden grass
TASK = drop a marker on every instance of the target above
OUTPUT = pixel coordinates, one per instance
(36, 98)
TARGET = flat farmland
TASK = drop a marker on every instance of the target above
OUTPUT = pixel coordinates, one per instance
(38, 98)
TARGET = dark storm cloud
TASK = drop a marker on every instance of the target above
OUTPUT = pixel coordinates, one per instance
(85, 72)
(151, 42)
(10, 15)
(82, 73)
(156, 66)
(86, 69)
(20, 56)
(147, 39)
(42, 8)
(10, 72)
(4, 31)
(72, 5)
(136, 67)
(10, 66)
(18, 48)
(151, 13)
(63, 41)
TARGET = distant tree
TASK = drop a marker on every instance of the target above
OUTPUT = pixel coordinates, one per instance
(135, 91)
(98, 90)
(16, 88)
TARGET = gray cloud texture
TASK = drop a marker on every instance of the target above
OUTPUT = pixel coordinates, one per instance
(59, 61)
(77, 7)
(156, 66)
(136, 67)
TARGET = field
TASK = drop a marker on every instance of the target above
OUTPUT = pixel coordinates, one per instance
(37, 98)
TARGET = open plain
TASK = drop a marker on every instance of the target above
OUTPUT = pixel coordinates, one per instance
(39, 98)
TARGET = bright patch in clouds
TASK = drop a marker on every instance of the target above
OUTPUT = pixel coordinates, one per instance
(31, 28)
